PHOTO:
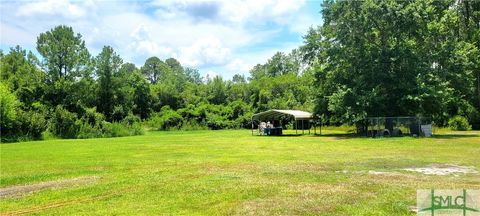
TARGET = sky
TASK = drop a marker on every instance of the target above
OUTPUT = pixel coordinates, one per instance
(216, 37)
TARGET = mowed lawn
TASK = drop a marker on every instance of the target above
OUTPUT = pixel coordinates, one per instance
(231, 172)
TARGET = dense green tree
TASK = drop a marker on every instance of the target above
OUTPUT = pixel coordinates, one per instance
(19, 70)
(174, 65)
(155, 69)
(237, 78)
(8, 110)
(65, 59)
(108, 65)
(193, 75)
(141, 95)
(389, 58)
(127, 69)
(217, 90)
(64, 53)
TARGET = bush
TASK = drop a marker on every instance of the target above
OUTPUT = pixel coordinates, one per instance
(193, 125)
(88, 131)
(459, 123)
(117, 129)
(217, 122)
(31, 124)
(93, 125)
(64, 124)
(92, 117)
(8, 113)
(119, 113)
(136, 129)
(131, 119)
(167, 119)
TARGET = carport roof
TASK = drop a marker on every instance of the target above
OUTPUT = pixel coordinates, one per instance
(275, 114)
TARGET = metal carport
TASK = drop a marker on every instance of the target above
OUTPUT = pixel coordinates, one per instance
(275, 115)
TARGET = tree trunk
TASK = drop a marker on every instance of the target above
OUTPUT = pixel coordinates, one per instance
(478, 89)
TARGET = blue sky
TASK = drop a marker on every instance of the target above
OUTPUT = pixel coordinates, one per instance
(217, 37)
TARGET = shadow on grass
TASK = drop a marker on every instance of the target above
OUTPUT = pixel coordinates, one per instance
(453, 136)
(437, 136)
(339, 136)
(354, 135)
(283, 135)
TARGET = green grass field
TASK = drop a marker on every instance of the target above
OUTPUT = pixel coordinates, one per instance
(232, 172)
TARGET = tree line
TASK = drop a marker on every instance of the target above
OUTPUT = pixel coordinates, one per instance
(66, 92)
(368, 58)
(396, 58)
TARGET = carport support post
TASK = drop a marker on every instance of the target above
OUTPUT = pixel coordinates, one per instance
(303, 128)
(252, 127)
(309, 127)
(296, 126)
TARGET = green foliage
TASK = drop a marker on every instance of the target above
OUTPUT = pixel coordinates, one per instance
(131, 119)
(167, 119)
(108, 64)
(17, 124)
(19, 72)
(459, 123)
(156, 70)
(93, 125)
(31, 124)
(88, 131)
(141, 95)
(216, 121)
(392, 58)
(8, 106)
(64, 53)
(193, 125)
(368, 58)
(64, 124)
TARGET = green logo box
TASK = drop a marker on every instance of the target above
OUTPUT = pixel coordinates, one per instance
(448, 202)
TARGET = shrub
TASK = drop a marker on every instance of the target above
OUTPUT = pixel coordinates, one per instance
(193, 125)
(92, 117)
(244, 121)
(459, 123)
(171, 120)
(31, 124)
(167, 119)
(64, 124)
(136, 129)
(117, 129)
(155, 121)
(131, 119)
(91, 124)
(217, 122)
(8, 112)
(88, 131)
(119, 113)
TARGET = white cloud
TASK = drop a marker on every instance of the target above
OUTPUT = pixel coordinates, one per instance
(209, 75)
(142, 42)
(227, 37)
(257, 11)
(205, 51)
(51, 7)
(238, 66)
(11, 34)
(237, 12)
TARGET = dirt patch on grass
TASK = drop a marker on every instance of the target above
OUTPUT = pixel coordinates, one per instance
(371, 172)
(443, 169)
(24, 189)
(434, 169)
